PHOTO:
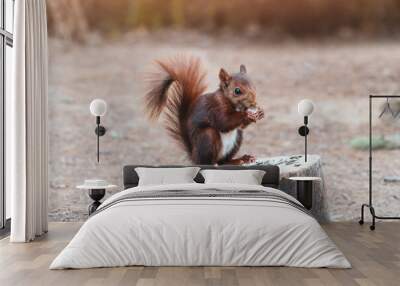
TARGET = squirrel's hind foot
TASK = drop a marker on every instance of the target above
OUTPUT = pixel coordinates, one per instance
(245, 159)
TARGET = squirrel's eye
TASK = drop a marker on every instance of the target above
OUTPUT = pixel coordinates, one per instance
(237, 91)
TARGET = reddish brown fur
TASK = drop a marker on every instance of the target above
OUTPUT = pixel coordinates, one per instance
(196, 120)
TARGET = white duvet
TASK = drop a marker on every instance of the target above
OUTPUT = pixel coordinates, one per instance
(200, 231)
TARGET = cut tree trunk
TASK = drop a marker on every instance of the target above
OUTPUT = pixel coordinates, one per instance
(294, 166)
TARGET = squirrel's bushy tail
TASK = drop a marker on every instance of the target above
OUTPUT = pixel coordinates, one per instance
(175, 88)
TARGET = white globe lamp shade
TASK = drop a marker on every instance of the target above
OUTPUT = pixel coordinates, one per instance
(98, 107)
(305, 107)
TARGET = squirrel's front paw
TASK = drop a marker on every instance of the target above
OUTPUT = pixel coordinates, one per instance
(250, 118)
(260, 114)
(255, 115)
(246, 159)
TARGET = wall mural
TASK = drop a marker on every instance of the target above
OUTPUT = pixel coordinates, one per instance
(245, 66)
(209, 126)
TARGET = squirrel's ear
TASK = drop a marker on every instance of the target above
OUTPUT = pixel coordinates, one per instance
(243, 69)
(224, 76)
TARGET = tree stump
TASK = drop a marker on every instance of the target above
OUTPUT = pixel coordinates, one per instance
(295, 166)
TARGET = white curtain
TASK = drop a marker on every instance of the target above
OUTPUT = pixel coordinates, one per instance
(26, 123)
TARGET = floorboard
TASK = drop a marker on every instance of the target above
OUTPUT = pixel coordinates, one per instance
(375, 257)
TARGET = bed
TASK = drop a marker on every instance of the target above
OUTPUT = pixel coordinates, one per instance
(197, 224)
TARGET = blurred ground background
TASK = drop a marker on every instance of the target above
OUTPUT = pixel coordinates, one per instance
(333, 52)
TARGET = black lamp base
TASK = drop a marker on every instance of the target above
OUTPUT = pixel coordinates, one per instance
(100, 130)
(304, 130)
(304, 193)
(96, 195)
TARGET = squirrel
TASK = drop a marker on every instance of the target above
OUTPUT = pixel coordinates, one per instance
(208, 126)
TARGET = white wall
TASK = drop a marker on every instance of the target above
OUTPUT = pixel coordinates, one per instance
(9, 26)
(8, 84)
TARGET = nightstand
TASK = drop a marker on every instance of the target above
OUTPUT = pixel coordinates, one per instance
(304, 189)
(97, 190)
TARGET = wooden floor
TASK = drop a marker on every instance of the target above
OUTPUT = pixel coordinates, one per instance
(375, 257)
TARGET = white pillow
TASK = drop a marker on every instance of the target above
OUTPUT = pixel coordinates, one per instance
(248, 177)
(163, 176)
